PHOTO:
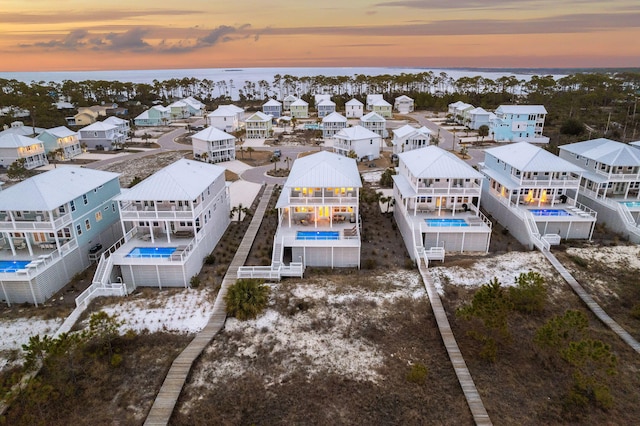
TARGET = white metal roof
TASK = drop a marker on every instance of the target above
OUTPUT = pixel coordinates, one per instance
(356, 133)
(529, 158)
(290, 98)
(52, 189)
(327, 102)
(455, 104)
(232, 107)
(259, 116)
(224, 111)
(479, 111)
(178, 104)
(272, 102)
(407, 131)
(403, 98)
(114, 120)
(372, 116)
(212, 134)
(334, 117)
(605, 151)
(435, 162)
(60, 132)
(182, 180)
(17, 141)
(354, 101)
(381, 103)
(300, 102)
(98, 126)
(522, 109)
(324, 170)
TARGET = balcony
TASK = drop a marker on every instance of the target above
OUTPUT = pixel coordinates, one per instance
(34, 222)
(165, 211)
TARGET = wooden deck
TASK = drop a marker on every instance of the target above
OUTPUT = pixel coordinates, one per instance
(591, 304)
(479, 413)
(167, 398)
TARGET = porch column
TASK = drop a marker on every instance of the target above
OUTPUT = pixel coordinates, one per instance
(151, 232)
(167, 229)
(626, 191)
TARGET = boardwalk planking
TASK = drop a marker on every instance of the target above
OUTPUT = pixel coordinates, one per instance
(169, 393)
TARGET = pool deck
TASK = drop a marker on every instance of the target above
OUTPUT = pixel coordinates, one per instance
(475, 223)
(347, 235)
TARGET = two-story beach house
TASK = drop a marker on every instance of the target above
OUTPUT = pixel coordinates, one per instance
(50, 226)
(64, 143)
(101, 136)
(272, 108)
(403, 104)
(354, 108)
(407, 138)
(212, 145)
(610, 182)
(531, 192)
(196, 108)
(179, 109)
(332, 124)
(124, 127)
(375, 123)
(318, 220)
(325, 107)
(287, 101)
(224, 118)
(364, 143)
(171, 221)
(157, 115)
(372, 98)
(478, 117)
(258, 126)
(383, 108)
(437, 204)
(519, 123)
(15, 147)
(299, 109)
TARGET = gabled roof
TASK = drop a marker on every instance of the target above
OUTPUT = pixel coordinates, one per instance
(272, 102)
(605, 151)
(356, 133)
(435, 162)
(212, 134)
(529, 158)
(334, 117)
(290, 98)
(464, 106)
(225, 111)
(381, 103)
(98, 126)
(407, 131)
(373, 97)
(259, 116)
(521, 109)
(196, 104)
(354, 101)
(161, 108)
(324, 170)
(114, 120)
(60, 132)
(403, 98)
(182, 180)
(326, 102)
(455, 104)
(17, 141)
(232, 107)
(52, 189)
(479, 111)
(299, 102)
(178, 104)
(144, 115)
(373, 116)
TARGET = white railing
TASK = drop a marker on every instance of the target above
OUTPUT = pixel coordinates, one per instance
(35, 224)
(628, 219)
(534, 234)
(549, 183)
(273, 272)
(616, 176)
(295, 200)
(99, 289)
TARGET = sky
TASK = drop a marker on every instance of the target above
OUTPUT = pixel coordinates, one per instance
(66, 35)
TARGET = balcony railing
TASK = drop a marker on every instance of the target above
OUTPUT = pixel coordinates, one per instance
(33, 224)
(305, 200)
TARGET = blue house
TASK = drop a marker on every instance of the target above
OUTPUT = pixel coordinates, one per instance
(519, 123)
(51, 227)
(272, 108)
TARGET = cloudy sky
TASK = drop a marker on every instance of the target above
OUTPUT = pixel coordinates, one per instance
(45, 35)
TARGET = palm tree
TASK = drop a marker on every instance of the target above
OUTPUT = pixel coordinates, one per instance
(240, 209)
(388, 199)
(250, 150)
(204, 156)
(246, 298)
(483, 131)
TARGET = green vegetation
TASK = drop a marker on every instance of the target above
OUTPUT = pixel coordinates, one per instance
(418, 374)
(246, 298)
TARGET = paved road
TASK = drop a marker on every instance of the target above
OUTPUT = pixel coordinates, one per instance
(258, 174)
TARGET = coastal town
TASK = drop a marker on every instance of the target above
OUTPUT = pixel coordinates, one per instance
(408, 241)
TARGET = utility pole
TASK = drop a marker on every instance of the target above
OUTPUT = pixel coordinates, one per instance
(608, 121)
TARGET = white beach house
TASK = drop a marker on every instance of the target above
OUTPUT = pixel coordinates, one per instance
(531, 193)
(332, 124)
(171, 221)
(403, 104)
(354, 108)
(375, 123)
(407, 138)
(50, 226)
(437, 204)
(364, 143)
(212, 145)
(318, 220)
(610, 182)
(224, 118)
(287, 101)
(372, 99)
(15, 147)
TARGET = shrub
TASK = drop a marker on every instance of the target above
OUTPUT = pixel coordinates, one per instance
(210, 259)
(246, 298)
(572, 127)
(418, 374)
(369, 263)
(579, 261)
(194, 282)
(635, 311)
(529, 295)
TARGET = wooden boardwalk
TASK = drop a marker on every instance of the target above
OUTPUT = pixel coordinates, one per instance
(479, 413)
(591, 304)
(167, 398)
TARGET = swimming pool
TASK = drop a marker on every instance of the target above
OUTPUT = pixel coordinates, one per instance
(13, 265)
(151, 252)
(550, 212)
(632, 204)
(318, 235)
(446, 222)
(313, 126)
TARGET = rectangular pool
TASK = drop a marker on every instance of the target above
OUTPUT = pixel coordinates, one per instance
(446, 222)
(632, 204)
(151, 252)
(550, 212)
(13, 265)
(318, 235)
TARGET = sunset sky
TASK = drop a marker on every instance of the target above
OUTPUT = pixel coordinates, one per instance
(43, 35)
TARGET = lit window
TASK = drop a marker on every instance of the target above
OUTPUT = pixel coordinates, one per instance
(87, 224)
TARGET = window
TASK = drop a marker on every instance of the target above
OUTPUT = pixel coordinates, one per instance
(78, 229)
(85, 200)
(113, 207)
(98, 216)
(87, 224)
(73, 205)
(62, 209)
